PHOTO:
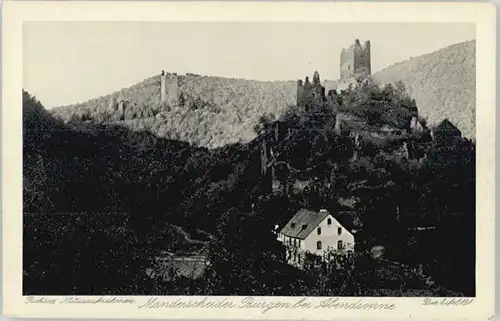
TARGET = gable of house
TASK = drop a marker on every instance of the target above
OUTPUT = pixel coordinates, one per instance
(329, 234)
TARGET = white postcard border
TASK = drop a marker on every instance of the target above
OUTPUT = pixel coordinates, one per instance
(15, 13)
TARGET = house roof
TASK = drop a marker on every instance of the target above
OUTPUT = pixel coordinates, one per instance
(304, 217)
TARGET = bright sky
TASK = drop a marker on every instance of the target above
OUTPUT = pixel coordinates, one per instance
(71, 62)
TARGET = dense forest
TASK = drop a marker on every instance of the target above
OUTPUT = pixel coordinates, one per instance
(99, 200)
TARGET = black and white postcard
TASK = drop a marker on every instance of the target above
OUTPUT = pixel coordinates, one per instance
(248, 160)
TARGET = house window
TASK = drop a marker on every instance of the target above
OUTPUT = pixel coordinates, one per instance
(318, 245)
(304, 226)
(340, 245)
(319, 230)
(293, 225)
(329, 221)
(339, 231)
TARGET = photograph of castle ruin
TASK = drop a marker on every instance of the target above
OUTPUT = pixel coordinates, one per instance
(249, 159)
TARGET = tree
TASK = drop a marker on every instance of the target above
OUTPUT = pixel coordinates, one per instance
(265, 123)
(244, 264)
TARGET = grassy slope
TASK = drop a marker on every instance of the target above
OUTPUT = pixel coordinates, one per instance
(443, 83)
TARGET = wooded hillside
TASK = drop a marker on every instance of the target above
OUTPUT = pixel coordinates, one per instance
(216, 111)
(443, 83)
(213, 112)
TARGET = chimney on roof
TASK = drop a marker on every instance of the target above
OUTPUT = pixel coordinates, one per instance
(304, 226)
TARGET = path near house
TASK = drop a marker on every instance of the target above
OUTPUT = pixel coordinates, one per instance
(188, 237)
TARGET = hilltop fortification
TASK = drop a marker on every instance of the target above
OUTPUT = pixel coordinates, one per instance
(355, 64)
(310, 95)
(169, 88)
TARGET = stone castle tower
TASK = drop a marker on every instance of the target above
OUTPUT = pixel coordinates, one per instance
(355, 63)
(169, 89)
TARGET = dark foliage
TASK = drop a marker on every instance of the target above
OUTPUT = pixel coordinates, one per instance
(143, 183)
(387, 106)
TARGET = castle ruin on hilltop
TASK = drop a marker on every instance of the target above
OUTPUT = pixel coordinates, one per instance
(355, 64)
(355, 61)
(311, 96)
(169, 88)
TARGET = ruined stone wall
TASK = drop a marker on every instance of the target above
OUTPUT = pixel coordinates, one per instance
(163, 88)
(347, 63)
(310, 95)
(300, 92)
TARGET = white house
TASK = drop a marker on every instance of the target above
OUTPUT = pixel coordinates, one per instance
(314, 232)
